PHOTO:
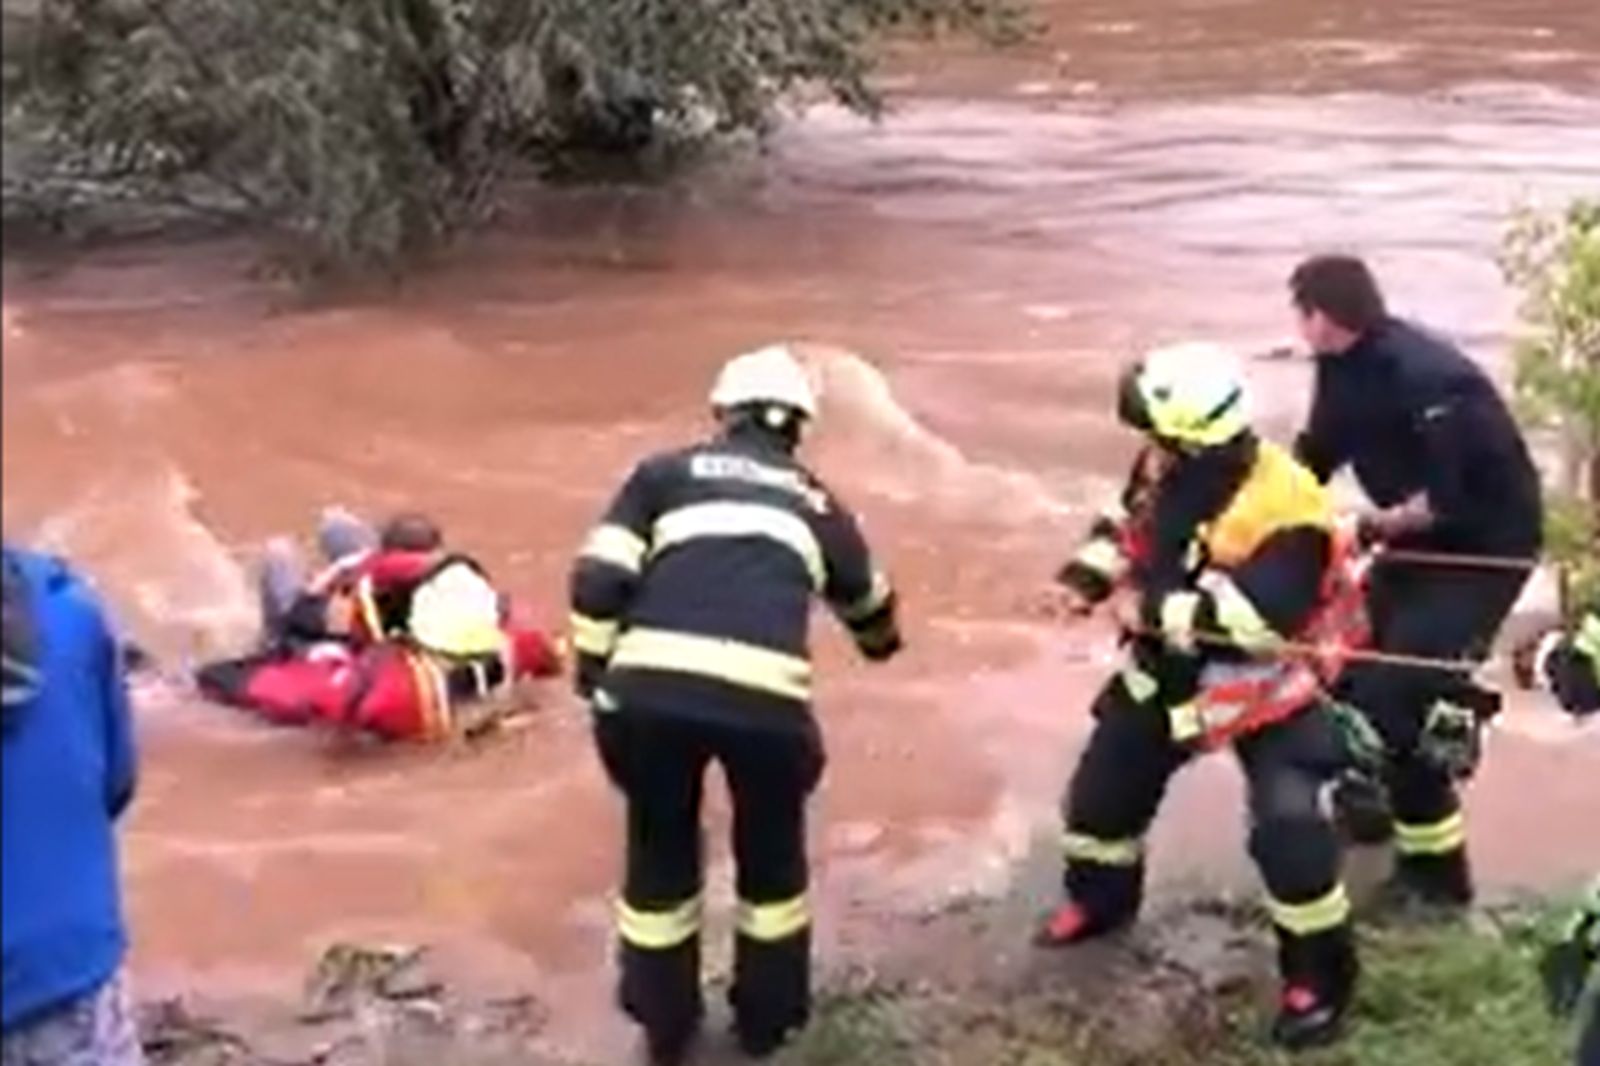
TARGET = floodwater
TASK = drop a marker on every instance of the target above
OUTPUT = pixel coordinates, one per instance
(971, 272)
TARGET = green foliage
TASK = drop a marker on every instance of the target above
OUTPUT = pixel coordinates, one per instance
(1448, 995)
(1555, 261)
(363, 130)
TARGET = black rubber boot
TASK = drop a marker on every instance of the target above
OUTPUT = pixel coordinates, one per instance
(1319, 978)
(671, 1048)
(1427, 887)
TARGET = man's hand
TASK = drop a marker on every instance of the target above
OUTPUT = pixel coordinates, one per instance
(1391, 523)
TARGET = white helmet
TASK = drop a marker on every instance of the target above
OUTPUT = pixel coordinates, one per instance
(770, 375)
(1191, 394)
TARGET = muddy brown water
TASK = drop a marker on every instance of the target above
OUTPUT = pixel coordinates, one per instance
(972, 271)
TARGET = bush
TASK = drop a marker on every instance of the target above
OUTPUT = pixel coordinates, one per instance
(364, 130)
(1555, 261)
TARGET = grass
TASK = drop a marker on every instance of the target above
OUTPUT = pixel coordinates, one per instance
(1461, 995)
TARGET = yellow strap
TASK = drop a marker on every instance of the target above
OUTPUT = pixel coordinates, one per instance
(658, 930)
(433, 696)
(617, 545)
(1436, 838)
(593, 636)
(770, 922)
(1236, 614)
(732, 661)
(1085, 848)
(1178, 611)
(1321, 914)
(726, 519)
(872, 602)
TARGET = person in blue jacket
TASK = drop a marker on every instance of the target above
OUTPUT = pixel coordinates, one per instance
(69, 769)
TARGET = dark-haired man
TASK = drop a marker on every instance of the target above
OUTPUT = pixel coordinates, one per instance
(1435, 449)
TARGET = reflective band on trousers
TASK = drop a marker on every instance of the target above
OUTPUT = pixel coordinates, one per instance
(617, 545)
(743, 520)
(1086, 848)
(737, 663)
(770, 922)
(1321, 914)
(658, 930)
(1437, 838)
(592, 636)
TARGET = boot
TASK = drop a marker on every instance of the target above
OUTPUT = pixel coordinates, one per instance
(671, 1048)
(1319, 976)
(1072, 923)
(1428, 886)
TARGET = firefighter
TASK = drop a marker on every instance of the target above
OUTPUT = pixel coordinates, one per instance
(1224, 547)
(1435, 449)
(690, 611)
(1567, 663)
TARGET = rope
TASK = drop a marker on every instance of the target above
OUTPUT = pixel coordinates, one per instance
(1450, 559)
(1294, 647)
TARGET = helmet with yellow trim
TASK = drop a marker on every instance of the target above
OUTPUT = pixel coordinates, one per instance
(1190, 396)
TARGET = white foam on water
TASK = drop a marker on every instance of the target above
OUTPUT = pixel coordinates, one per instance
(140, 538)
(908, 462)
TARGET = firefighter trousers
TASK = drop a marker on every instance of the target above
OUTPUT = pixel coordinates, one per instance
(659, 762)
(1437, 612)
(1117, 789)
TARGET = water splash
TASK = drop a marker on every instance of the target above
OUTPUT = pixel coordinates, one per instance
(908, 462)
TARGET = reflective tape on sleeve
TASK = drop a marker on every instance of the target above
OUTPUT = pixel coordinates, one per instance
(593, 636)
(616, 545)
(1178, 611)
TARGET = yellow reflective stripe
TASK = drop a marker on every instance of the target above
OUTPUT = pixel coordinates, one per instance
(774, 921)
(617, 545)
(1102, 556)
(1321, 914)
(735, 662)
(1236, 614)
(1140, 685)
(1178, 612)
(872, 602)
(743, 520)
(592, 636)
(1186, 721)
(1437, 838)
(658, 930)
(1086, 848)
